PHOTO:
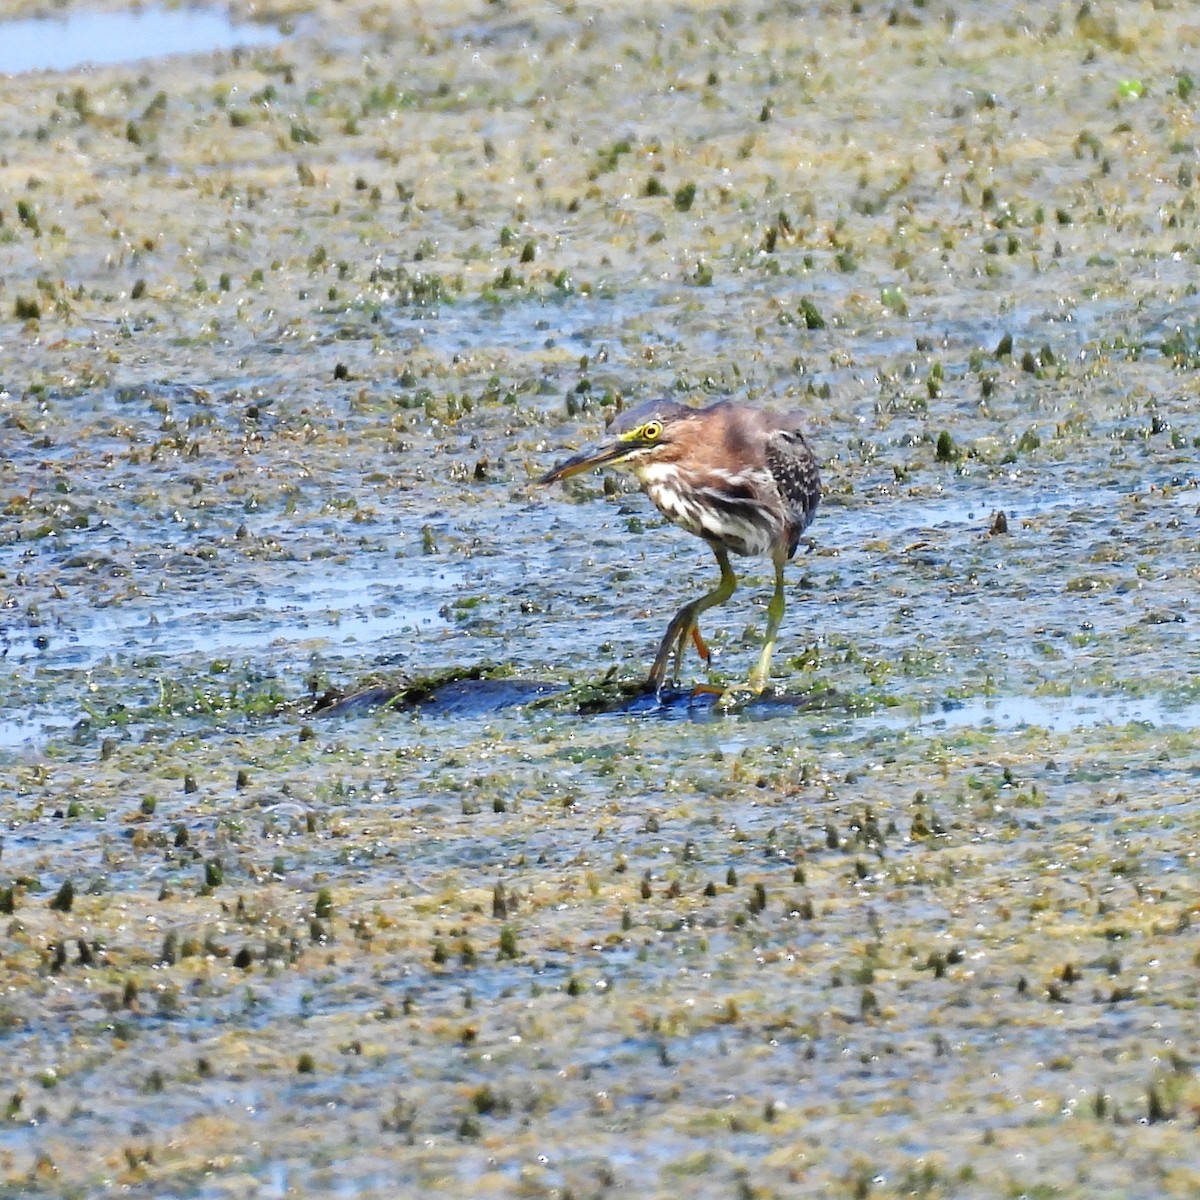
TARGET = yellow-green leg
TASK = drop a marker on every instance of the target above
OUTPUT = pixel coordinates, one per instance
(758, 677)
(685, 623)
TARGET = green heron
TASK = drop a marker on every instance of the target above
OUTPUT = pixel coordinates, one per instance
(741, 478)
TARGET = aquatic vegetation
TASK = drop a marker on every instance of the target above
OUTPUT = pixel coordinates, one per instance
(333, 800)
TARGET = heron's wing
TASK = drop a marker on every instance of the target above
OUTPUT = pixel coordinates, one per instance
(793, 466)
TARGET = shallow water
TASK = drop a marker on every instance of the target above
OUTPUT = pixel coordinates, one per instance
(386, 874)
(83, 39)
(1062, 715)
(355, 603)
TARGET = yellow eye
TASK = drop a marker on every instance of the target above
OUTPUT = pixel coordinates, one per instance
(651, 431)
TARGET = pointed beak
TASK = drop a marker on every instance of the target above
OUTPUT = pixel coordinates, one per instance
(585, 460)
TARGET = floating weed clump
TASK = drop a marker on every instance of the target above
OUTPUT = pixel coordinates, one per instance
(1182, 348)
(606, 694)
(418, 691)
(893, 299)
(811, 315)
(414, 289)
(608, 157)
(486, 1101)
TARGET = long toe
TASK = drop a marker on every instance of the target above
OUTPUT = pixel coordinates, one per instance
(678, 657)
(739, 694)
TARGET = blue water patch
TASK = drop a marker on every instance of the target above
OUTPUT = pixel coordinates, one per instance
(102, 39)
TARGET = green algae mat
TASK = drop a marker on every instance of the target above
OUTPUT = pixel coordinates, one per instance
(342, 852)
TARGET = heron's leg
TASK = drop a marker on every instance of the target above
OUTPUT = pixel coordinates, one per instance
(681, 641)
(758, 676)
(684, 624)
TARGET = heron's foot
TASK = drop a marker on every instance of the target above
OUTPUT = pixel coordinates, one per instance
(739, 694)
(760, 673)
(689, 631)
(670, 653)
(659, 678)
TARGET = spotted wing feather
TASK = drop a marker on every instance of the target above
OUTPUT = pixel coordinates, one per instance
(793, 466)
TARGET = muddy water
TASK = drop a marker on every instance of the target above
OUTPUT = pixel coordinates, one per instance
(382, 876)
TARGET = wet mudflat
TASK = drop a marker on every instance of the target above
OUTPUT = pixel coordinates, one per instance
(340, 854)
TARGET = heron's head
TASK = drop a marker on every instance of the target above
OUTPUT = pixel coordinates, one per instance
(652, 432)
